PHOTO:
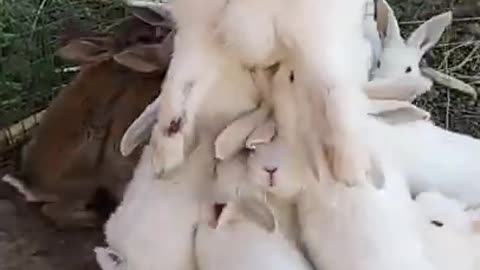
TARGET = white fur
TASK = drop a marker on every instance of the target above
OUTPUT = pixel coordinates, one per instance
(372, 35)
(397, 68)
(246, 234)
(402, 87)
(453, 245)
(238, 242)
(153, 226)
(399, 54)
(373, 228)
(105, 260)
(232, 94)
(259, 33)
(396, 72)
(433, 159)
(237, 177)
(368, 226)
(230, 180)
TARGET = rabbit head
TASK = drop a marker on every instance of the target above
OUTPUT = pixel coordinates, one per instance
(271, 165)
(400, 56)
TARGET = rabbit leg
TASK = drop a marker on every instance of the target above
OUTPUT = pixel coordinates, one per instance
(180, 101)
(349, 158)
(71, 214)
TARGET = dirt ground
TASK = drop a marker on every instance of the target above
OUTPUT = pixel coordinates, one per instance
(29, 242)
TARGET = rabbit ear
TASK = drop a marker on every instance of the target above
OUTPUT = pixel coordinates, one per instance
(397, 112)
(84, 50)
(147, 57)
(261, 213)
(232, 139)
(262, 134)
(253, 210)
(108, 259)
(140, 130)
(387, 24)
(429, 33)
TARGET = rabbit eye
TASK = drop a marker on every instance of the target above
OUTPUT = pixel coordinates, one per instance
(250, 150)
(379, 64)
(292, 76)
(437, 223)
(408, 70)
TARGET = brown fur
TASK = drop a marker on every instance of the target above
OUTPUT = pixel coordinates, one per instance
(75, 149)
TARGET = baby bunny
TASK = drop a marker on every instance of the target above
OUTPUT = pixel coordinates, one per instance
(74, 151)
(245, 236)
(153, 226)
(432, 158)
(233, 172)
(373, 227)
(259, 34)
(372, 224)
(398, 64)
(450, 242)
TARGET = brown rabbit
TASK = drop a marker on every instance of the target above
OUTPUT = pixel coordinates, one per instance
(75, 149)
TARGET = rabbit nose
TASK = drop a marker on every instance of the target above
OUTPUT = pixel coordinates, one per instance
(270, 170)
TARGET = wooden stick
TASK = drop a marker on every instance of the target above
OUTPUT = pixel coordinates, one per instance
(16, 132)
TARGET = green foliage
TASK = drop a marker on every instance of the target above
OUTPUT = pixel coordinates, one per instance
(30, 31)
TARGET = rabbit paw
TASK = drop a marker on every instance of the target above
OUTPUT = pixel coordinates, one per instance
(350, 163)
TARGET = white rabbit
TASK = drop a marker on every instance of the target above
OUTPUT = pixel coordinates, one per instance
(410, 52)
(233, 95)
(432, 158)
(373, 228)
(369, 226)
(260, 33)
(396, 74)
(232, 173)
(245, 237)
(450, 241)
(153, 226)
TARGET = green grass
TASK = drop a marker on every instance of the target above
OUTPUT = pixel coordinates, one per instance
(29, 37)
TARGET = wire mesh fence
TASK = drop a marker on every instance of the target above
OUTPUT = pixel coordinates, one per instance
(30, 73)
